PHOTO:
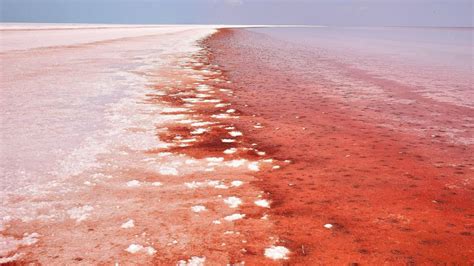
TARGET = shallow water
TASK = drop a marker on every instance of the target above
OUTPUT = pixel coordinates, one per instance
(437, 60)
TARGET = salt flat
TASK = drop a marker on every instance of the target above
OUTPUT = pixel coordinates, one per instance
(88, 172)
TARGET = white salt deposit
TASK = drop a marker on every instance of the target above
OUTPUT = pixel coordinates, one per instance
(193, 184)
(198, 208)
(198, 131)
(150, 251)
(221, 186)
(128, 224)
(174, 109)
(235, 133)
(233, 202)
(135, 248)
(200, 124)
(262, 203)
(254, 166)
(157, 184)
(165, 170)
(80, 213)
(215, 159)
(230, 111)
(193, 261)
(328, 226)
(230, 151)
(234, 217)
(277, 252)
(5, 260)
(228, 140)
(133, 183)
(236, 183)
(221, 116)
(236, 163)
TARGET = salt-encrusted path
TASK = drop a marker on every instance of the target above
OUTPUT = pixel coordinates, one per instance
(118, 146)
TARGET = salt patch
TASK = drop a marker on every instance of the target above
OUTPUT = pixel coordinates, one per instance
(230, 111)
(262, 203)
(188, 140)
(216, 222)
(277, 252)
(236, 183)
(134, 248)
(220, 116)
(328, 226)
(253, 166)
(200, 124)
(233, 217)
(235, 133)
(186, 121)
(193, 261)
(133, 183)
(230, 151)
(164, 170)
(215, 159)
(129, 224)
(221, 186)
(193, 184)
(236, 163)
(233, 202)
(157, 184)
(5, 260)
(174, 109)
(220, 105)
(198, 208)
(80, 213)
(198, 131)
(228, 140)
(150, 251)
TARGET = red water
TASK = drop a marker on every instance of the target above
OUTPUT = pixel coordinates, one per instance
(389, 166)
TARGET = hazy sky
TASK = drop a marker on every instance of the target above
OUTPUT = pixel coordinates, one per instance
(322, 12)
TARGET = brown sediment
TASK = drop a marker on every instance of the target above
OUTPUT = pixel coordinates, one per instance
(392, 195)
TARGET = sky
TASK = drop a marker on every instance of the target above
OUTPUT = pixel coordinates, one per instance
(447, 13)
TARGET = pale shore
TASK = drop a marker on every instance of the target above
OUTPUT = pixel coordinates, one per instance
(85, 176)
